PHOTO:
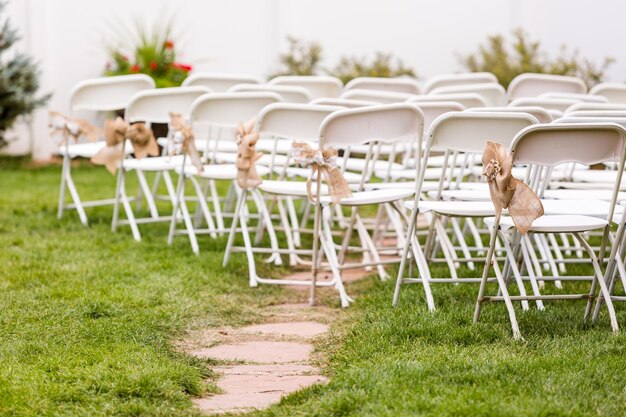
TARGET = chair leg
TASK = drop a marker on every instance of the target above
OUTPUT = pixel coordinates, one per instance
(531, 268)
(204, 207)
(291, 208)
(128, 209)
(215, 197)
(76, 198)
(328, 246)
(405, 254)
(116, 203)
(515, 270)
(599, 277)
(489, 261)
(264, 215)
(282, 212)
(64, 172)
(241, 197)
(180, 190)
(143, 183)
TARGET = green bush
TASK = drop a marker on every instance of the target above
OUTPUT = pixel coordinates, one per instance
(152, 52)
(302, 58)
(525, 55)
(19, 81)
(381, 65)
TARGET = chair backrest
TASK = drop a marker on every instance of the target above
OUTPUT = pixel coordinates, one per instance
(468, 131)
(381, 97)
(533, 85)
(466, 99)
(620, 120)
(557, 143)
(289, 94)
(433, 109)
(586, 98)
(595, 113)
(229, 109)
(595, 107)
(560, 104)
(108, 93)
(318, 86)
(293, 121)
(494, 94)
(445, 80)
(385, 123)
(219, 82)
(539, 113)
(343, 102)
(395, 85)
(154, 106)
(614, 92)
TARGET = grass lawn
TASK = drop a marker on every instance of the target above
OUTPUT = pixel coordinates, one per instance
(87, 320)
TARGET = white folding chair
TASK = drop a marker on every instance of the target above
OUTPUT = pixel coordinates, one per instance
(533, 85)
(459, 135)
(586, 106)
(394, 85)
(219, 83)
(494, 94)
(548, 146)
(318, 86)
(388, 124)
(585, 98)
(445, 80)
(284, 122)
(95, 95)
(288, 93)
(540, 113)
(213, 117)
(343, 102)
(152, 106)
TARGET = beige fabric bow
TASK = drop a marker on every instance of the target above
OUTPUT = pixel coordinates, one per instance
(322, 161)
(182, 134)
(72, 128)
(247, 137)
(115, 133)
(508, 192)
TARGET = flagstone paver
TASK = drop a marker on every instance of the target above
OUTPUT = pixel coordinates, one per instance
(259, 352)
(306, 329)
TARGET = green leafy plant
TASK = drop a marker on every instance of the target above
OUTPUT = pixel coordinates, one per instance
(302, 58)
(381, 65)
(525, 55)
(152, 52)
(19, 81)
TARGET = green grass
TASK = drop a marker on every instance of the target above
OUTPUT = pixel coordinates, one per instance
(87, 320)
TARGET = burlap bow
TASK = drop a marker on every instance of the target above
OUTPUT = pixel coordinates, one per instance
(182, 136)
(72, 128)
(247, 137)
(115, 133)
(322, 161)
(508, 192)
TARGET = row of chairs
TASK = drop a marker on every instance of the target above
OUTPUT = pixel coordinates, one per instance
(386, 159)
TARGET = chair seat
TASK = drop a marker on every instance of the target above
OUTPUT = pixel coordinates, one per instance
(231, 158)
(218, 171)
(480, 193)
(291, 188)
(363, 198)
(592, 208)
(405, 185)
(573, 194)
(157, 163)
(429, 174)
(456, 208)
(555, 224)
(351, 177)
(358, 165)
(597, 176)
(84, 150)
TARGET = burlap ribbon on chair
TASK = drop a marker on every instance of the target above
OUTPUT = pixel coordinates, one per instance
(322, 162)
(182, 137)
(72, 128)
(115, 132)
(246, 137)
(508, 192)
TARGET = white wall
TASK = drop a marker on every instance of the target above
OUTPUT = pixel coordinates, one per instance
(69, 37)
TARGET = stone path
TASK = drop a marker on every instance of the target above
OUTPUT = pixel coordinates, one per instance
(276, 357)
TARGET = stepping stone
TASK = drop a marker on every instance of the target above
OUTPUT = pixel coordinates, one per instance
(295, 328)
(290, 369)
(260, 352)
(244, 392)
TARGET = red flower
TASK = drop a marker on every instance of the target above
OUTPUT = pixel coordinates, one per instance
(135, 68)
(169, 44)
(154, 65)
(184, 67)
